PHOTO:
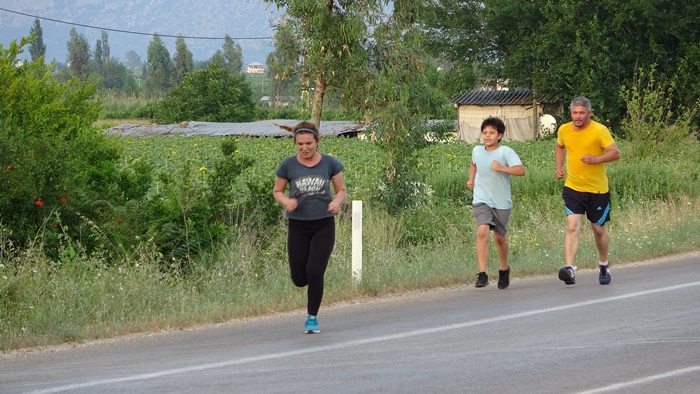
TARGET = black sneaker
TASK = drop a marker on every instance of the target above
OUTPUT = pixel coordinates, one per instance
(604, 277)
(503, 278)
(482, 280)
(566, 273)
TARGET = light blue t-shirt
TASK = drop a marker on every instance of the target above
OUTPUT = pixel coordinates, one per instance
(493, 187)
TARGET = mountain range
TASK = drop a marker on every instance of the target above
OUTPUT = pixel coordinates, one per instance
(129, 25)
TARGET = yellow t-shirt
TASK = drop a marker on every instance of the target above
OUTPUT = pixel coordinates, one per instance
(592, 140)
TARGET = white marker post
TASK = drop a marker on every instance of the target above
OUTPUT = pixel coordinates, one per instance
(357, 241)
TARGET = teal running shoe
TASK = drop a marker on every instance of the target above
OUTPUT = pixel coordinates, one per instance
(311, 326)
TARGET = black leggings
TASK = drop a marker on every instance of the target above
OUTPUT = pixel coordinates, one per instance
(309, 247)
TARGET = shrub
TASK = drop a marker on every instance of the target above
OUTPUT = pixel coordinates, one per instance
(654, 124)
(211, 95)
(55, 165)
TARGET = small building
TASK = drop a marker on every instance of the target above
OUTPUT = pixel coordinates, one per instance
(255, 68)
(519, 109)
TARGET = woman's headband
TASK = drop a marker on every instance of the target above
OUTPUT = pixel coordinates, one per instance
(306, 130)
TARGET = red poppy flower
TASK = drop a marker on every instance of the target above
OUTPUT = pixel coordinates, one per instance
(39, 203)
(119, 220)
(63, 200)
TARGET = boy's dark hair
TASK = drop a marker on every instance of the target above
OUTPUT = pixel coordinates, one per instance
(494, 122)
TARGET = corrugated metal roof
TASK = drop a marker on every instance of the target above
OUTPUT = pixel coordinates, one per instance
(496, 97)
(263, 128)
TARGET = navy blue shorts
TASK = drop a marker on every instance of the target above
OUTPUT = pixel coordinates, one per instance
(596, 206)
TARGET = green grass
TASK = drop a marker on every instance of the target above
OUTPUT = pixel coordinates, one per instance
(44, 301)
(47, 303)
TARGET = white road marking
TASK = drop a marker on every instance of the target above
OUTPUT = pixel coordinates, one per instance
(365, 341)
(648, 379)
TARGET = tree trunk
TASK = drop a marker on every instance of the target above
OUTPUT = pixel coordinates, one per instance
(317, 105)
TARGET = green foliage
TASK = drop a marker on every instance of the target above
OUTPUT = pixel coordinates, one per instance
(224, 193)
(432, 224)
(116, 76)
(211, 95)
(401, 98)
(654, 125)
(37, 48)
(78, 55)
(331, 39)
(282, 63)
(208, 236)
(451, 28)
(262, 113)
(182, 60)
(233, 56)
(260, 85)
(54, 164)
(160, 71)
(656, 178)
(568, 48)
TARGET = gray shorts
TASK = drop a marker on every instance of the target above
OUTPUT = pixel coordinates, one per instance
(497, 219)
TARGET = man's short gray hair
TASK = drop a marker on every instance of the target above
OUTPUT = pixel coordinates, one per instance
(581, 101)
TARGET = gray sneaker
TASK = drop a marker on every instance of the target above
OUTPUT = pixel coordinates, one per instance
(604, 277)
(566, 273)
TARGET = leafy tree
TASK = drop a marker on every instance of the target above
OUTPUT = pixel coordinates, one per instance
(201, 64)
(382, 74)
(97, 60)
(182, 60)
(233, 56)
(282, 63)
(114, 74)
(212, 95)
(78, 60)
(105, 46)
(133, 60)
(37, 48)
(572, 47)
(399, 96)
(331, 33)
(217, 57)
(652, 125)
(453, 30)
(55, 165)
(159, 67)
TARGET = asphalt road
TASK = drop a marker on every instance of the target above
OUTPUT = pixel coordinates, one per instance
(641, 334)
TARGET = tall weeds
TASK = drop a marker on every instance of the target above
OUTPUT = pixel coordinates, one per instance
(654, 125)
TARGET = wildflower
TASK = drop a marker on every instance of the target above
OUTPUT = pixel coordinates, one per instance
(39, 203)
(202, 168)
(119, 220)
(63, 200)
